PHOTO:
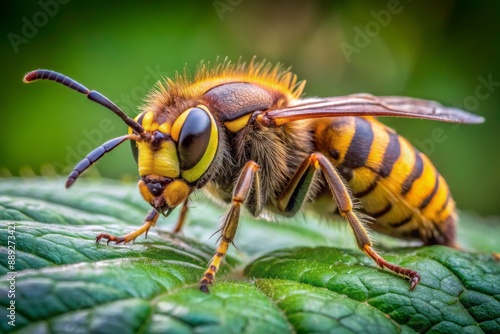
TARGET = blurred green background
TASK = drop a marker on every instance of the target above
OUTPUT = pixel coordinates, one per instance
(443, 51)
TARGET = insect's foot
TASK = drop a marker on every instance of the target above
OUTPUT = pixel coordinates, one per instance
(411, 274)
(204, 288)
(176, 233)
(414, 280)
(204, 283)
(110, 238)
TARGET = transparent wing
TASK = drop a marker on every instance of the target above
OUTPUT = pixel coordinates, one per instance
(369, 105)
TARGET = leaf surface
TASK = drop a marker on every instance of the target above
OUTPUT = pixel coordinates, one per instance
(298, 275)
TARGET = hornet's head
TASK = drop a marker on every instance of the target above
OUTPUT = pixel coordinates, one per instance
(173, 153)
(175, 156)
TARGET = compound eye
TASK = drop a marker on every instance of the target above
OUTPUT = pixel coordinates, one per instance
(133, 144)
(197, 137)
(194, 137)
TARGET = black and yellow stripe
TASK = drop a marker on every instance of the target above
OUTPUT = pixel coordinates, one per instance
(396, 184)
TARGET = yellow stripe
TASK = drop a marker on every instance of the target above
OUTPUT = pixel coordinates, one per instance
(388, 189)
(422, 186)
(177, 126)
(402, 167)
(437, 200)
(450, 209)
(148, 122)
(376, 201)
(163, 162)
(335, 133)
(238, 124)
(165, 128)
(145, 159)
(362, 178)
(398, 213)
(166, 162)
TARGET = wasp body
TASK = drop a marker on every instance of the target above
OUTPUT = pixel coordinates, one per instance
(242, 132)
(397, 185)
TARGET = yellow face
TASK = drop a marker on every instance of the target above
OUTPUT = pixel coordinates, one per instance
(175, 157)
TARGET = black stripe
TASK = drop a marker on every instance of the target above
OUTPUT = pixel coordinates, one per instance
(415, 173)
(391, 155)
(448, 197)
(413, 233)
(346, 173)
(334, 154)
(402, 222)
(300, 192)
(360, 145)
(368, 190)
(381, 212)
(428, 199)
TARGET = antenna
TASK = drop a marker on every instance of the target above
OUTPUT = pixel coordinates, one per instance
(91, 94)
(97, 97)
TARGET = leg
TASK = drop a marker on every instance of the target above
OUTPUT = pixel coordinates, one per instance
(182, 217)
(150, 221)
(247, 179)
(295, 194)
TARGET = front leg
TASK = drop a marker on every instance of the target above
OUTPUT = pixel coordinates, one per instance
(182, 217)
(295, 194)
(248, 179)
(149, 221)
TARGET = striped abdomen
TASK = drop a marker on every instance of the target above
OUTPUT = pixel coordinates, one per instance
(396, 184)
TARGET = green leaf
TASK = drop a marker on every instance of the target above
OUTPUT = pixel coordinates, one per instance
(299, 275)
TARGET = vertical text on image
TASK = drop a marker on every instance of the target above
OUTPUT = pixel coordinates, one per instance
(11, 275)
